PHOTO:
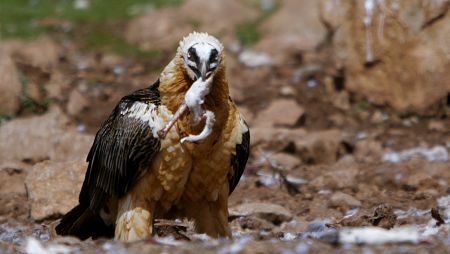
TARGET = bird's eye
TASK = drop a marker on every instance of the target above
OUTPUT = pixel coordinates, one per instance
(191, 54)
(214, 56)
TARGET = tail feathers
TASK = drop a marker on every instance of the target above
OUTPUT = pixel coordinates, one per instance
(83, 223)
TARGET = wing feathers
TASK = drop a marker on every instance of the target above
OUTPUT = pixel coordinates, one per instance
(124, 143)
(239, 160)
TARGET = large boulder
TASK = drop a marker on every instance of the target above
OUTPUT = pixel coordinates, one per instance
(53, 187)
(393, 52)
(37, 138)
(42, 53)
(294, 27)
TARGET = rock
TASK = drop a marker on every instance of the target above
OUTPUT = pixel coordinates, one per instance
(395, 54)
(268, 211)
(56, 85)
(77, 103)
(254, 59)
(252, 223)
(287, 161)
(42, 53)
(341, 100)
(295, 225)
(436, 125)
(384, 216)
(444, 207)
(230, 13)
(340, 199)
(275, 137)
(281, 39)
(378, 117)
(319, 146)
(379, 236)
(281, 112)
(10, 86)
(49, 136)
(341, 175)
(53, 187)
(287, 91)
(436, 153)
(12, 177)
(368, 150)
(160, 29)
(163, 29)
(332, 13)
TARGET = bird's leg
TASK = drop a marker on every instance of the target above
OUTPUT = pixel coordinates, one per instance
(134, 218)
(162, 133)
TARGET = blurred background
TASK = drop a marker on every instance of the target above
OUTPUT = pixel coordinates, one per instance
(346, 98)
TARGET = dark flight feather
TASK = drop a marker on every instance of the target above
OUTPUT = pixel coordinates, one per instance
(122, 150)
(239, 160)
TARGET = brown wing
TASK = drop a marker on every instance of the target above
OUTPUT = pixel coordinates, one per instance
(122, 147)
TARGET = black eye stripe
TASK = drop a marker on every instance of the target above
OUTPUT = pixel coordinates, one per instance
(213, 55)
(193, 55)
(195, 70)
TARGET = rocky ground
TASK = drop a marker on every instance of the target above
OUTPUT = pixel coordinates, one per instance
(348, 104)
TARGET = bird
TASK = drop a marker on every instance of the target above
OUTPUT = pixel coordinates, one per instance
(176, 149)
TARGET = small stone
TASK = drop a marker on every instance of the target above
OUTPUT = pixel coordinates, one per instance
(255, 59)
(12, 176)
(319, 146)
(268, 211)
(77, 103)
(377, 117)
(287, 91)
(437, 126)
(287, 161)
(340, 198)
(282, 112)
(276, 137)
(368, 150)
(10, 86)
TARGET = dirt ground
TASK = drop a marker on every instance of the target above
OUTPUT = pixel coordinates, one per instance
(341, 162)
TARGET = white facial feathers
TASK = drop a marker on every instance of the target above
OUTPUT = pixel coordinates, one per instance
(195, 38)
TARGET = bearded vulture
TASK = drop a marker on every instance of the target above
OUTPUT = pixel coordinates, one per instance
(176, 149)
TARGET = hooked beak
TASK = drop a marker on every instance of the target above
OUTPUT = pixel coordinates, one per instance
(204, 71)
